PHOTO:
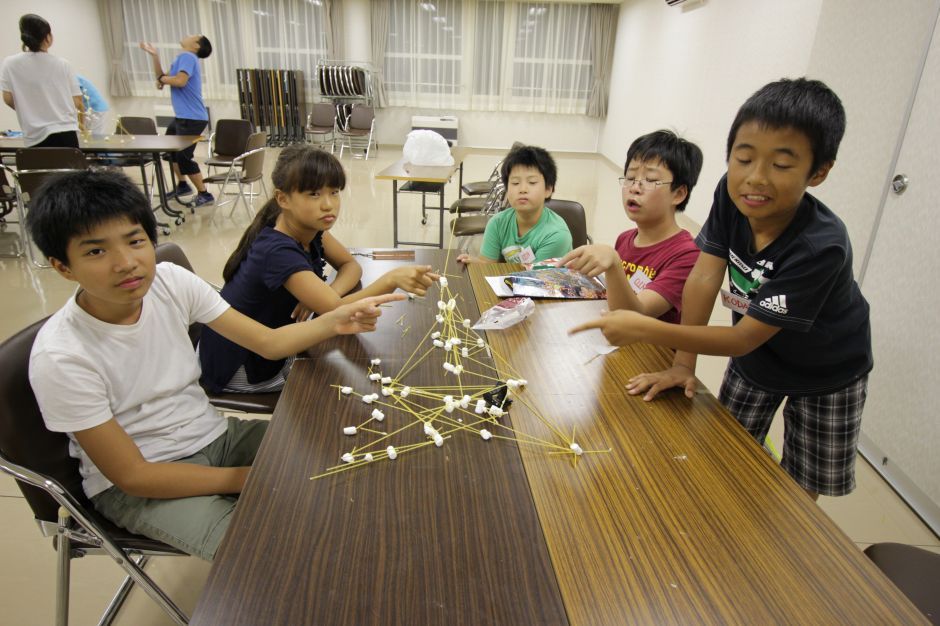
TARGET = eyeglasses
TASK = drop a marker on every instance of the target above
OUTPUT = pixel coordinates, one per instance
(643, 183)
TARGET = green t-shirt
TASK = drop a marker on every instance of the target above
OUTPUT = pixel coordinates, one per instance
(549, 238)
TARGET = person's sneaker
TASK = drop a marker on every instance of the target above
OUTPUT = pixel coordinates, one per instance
(182, 189)
(203, 198)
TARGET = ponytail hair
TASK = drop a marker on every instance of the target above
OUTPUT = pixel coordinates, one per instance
(33, 31)
(298, 168)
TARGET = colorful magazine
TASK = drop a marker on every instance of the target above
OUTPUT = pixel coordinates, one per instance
(556, 282)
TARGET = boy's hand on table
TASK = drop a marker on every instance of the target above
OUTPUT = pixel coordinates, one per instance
(676, 376)
(412, 278)
(360, 316)
(621, 328)
(591, 260)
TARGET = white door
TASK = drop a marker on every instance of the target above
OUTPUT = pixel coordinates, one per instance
(900, 280)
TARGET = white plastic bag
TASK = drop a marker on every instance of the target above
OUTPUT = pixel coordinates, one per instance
(507, 313)
(425, 147)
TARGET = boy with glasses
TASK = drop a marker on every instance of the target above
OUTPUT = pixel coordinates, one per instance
(800, 329)
(646, 268)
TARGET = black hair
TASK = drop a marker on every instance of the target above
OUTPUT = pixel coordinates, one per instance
(298, 168)
(808, 106)
(530, 156)
(33, 31)
(71, 204)
(205, 48)
(681, 156)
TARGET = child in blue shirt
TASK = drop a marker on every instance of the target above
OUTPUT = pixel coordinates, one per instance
(276, 277)
(191, 115)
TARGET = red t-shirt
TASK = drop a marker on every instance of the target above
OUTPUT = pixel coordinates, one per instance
(667, 264)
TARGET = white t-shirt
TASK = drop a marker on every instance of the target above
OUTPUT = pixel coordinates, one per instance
(145, 375)
(42, 85)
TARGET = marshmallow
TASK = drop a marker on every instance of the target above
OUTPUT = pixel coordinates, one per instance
(458, 370)
(375, 376)
(448, 366)
(481, 407)
(443, 281)
(495, 411)
(369, 456)
(480, 343)
(464, 352)
(466, 323)
(439, 319)
(441, 305)
(465, 402)
(405, 391)
(436, 334)
(377, 415)
(438, 343)
(456, 341)
(487, 435)
(438, 440)
(576, 449)
(368, 399)
(428, 429)
(349, 430)
(449, 399)
(349, 458)
(386, 380)
(376, 361)
(345, 390)
(451, 304)
(392, 452)
(387, 391)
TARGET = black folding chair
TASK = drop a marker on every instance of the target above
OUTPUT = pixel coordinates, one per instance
(48, 476)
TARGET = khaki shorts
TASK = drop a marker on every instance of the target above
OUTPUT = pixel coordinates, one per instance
(194, 525)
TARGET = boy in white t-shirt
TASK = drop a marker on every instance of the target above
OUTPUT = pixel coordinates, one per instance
(115, 369)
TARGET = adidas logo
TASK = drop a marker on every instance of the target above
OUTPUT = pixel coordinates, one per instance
(777, 304)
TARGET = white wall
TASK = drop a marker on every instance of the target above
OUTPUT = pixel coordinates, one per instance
(691, 68)
(869, 52)
(76, 33)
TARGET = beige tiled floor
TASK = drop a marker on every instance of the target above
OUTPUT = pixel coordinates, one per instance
(872, 514)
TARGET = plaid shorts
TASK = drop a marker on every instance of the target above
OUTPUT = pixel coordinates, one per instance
(820, 433)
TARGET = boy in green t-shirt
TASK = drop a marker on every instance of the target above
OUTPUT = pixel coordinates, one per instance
(528, 231)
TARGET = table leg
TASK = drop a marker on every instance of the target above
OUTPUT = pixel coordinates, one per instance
(161, 192)
(395, 212)
(441, 220)
(460, 184)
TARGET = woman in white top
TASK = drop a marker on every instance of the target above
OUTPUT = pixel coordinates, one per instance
(42, 89)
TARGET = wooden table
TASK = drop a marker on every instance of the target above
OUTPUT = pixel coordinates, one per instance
(422, 179)
(685, 520)
(153, 145)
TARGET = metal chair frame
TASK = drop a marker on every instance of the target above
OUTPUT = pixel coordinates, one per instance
(353, 131)
(86, 537)
(317, 126)
(238, 173)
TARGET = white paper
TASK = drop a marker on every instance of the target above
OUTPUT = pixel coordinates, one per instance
(499, 287)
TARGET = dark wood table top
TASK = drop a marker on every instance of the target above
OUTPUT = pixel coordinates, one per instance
(684, 520)
(118, 143)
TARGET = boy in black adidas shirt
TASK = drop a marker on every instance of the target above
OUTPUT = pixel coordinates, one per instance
(801, 328)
